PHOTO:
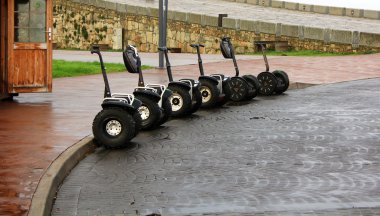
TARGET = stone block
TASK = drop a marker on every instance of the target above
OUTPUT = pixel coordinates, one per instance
(100, 3)
(371, 14)
(278, 29)
(340, 36)
(265, 3)
(355, 39)
(354, 12)
(305, 7)
(241, 1)
(209, 21)
(337, 11)
(291, 6)
(154, 12)
(171, 15)
(183, 17)
(313, 33)
(321, 9)
(117, 39)
(253, 2)
(264, 27)
(327, 35)
(369, 39)
(301, 32)
(122, 8)
(230, 23)
(248, 25)
(110, 5)
(194, 18)
(142, 11)
(278, 4)
(289, 30)
(131, 9)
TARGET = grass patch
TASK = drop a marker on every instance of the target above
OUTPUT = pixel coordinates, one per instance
(63, 68)
(306, 53)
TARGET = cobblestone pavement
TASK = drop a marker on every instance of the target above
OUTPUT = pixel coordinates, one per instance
(274, 15)
(309, 152)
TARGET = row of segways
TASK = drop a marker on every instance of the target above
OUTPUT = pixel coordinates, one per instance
(151, 105)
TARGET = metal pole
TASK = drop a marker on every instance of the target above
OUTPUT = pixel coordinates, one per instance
(163, 20)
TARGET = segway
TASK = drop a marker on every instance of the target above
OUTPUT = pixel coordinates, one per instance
(119, 121)
(276, 82)
(186, 98)
(238, 88)
(211, 86)
(156, 107)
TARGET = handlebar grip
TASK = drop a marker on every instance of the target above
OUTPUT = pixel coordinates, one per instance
(95, 49)
(197, 45)
(163, 48)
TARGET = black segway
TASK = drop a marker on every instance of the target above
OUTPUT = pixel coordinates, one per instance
(119, 121)
(156, 107)
(276, 82)
(211, 86)
(238, 88)
(186, 98)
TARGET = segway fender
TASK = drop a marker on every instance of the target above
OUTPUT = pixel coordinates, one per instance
(129, 108)
(180, 84)
(151, 95)
(213, 80)
(167, 93)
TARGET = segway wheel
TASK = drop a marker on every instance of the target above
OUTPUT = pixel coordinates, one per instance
(150, 113)
(196, 102)
(210, 94)
(138, 122)
(237, 89)
(166, 112)
(254, 85)
(283, 80)
(180, 101)
(113, 127)
(268, 83)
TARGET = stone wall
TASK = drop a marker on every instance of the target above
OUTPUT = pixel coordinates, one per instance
(80, 23)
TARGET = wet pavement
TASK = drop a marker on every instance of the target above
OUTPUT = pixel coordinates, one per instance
(37, 128)
(309, 152)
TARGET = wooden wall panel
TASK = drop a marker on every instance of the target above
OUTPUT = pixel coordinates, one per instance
(29, 69)
(3, 21)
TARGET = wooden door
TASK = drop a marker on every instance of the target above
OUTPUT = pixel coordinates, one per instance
(30, 46)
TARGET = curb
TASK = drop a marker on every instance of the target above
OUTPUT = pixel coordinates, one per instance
(299, 85)
(42, 201)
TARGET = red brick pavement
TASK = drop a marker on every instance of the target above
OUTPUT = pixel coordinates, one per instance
(36, 128)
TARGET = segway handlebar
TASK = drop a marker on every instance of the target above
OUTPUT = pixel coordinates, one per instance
(168, 66)
(197, 45)
(107, 89)
(264, 55)
(95, 49)
(199, 57)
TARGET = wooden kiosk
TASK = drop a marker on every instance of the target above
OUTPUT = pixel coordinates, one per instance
(25, 46)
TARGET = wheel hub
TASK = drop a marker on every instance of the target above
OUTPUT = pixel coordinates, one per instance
(144, 112)
(206, 94)
(176, 101)
(113, 128)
